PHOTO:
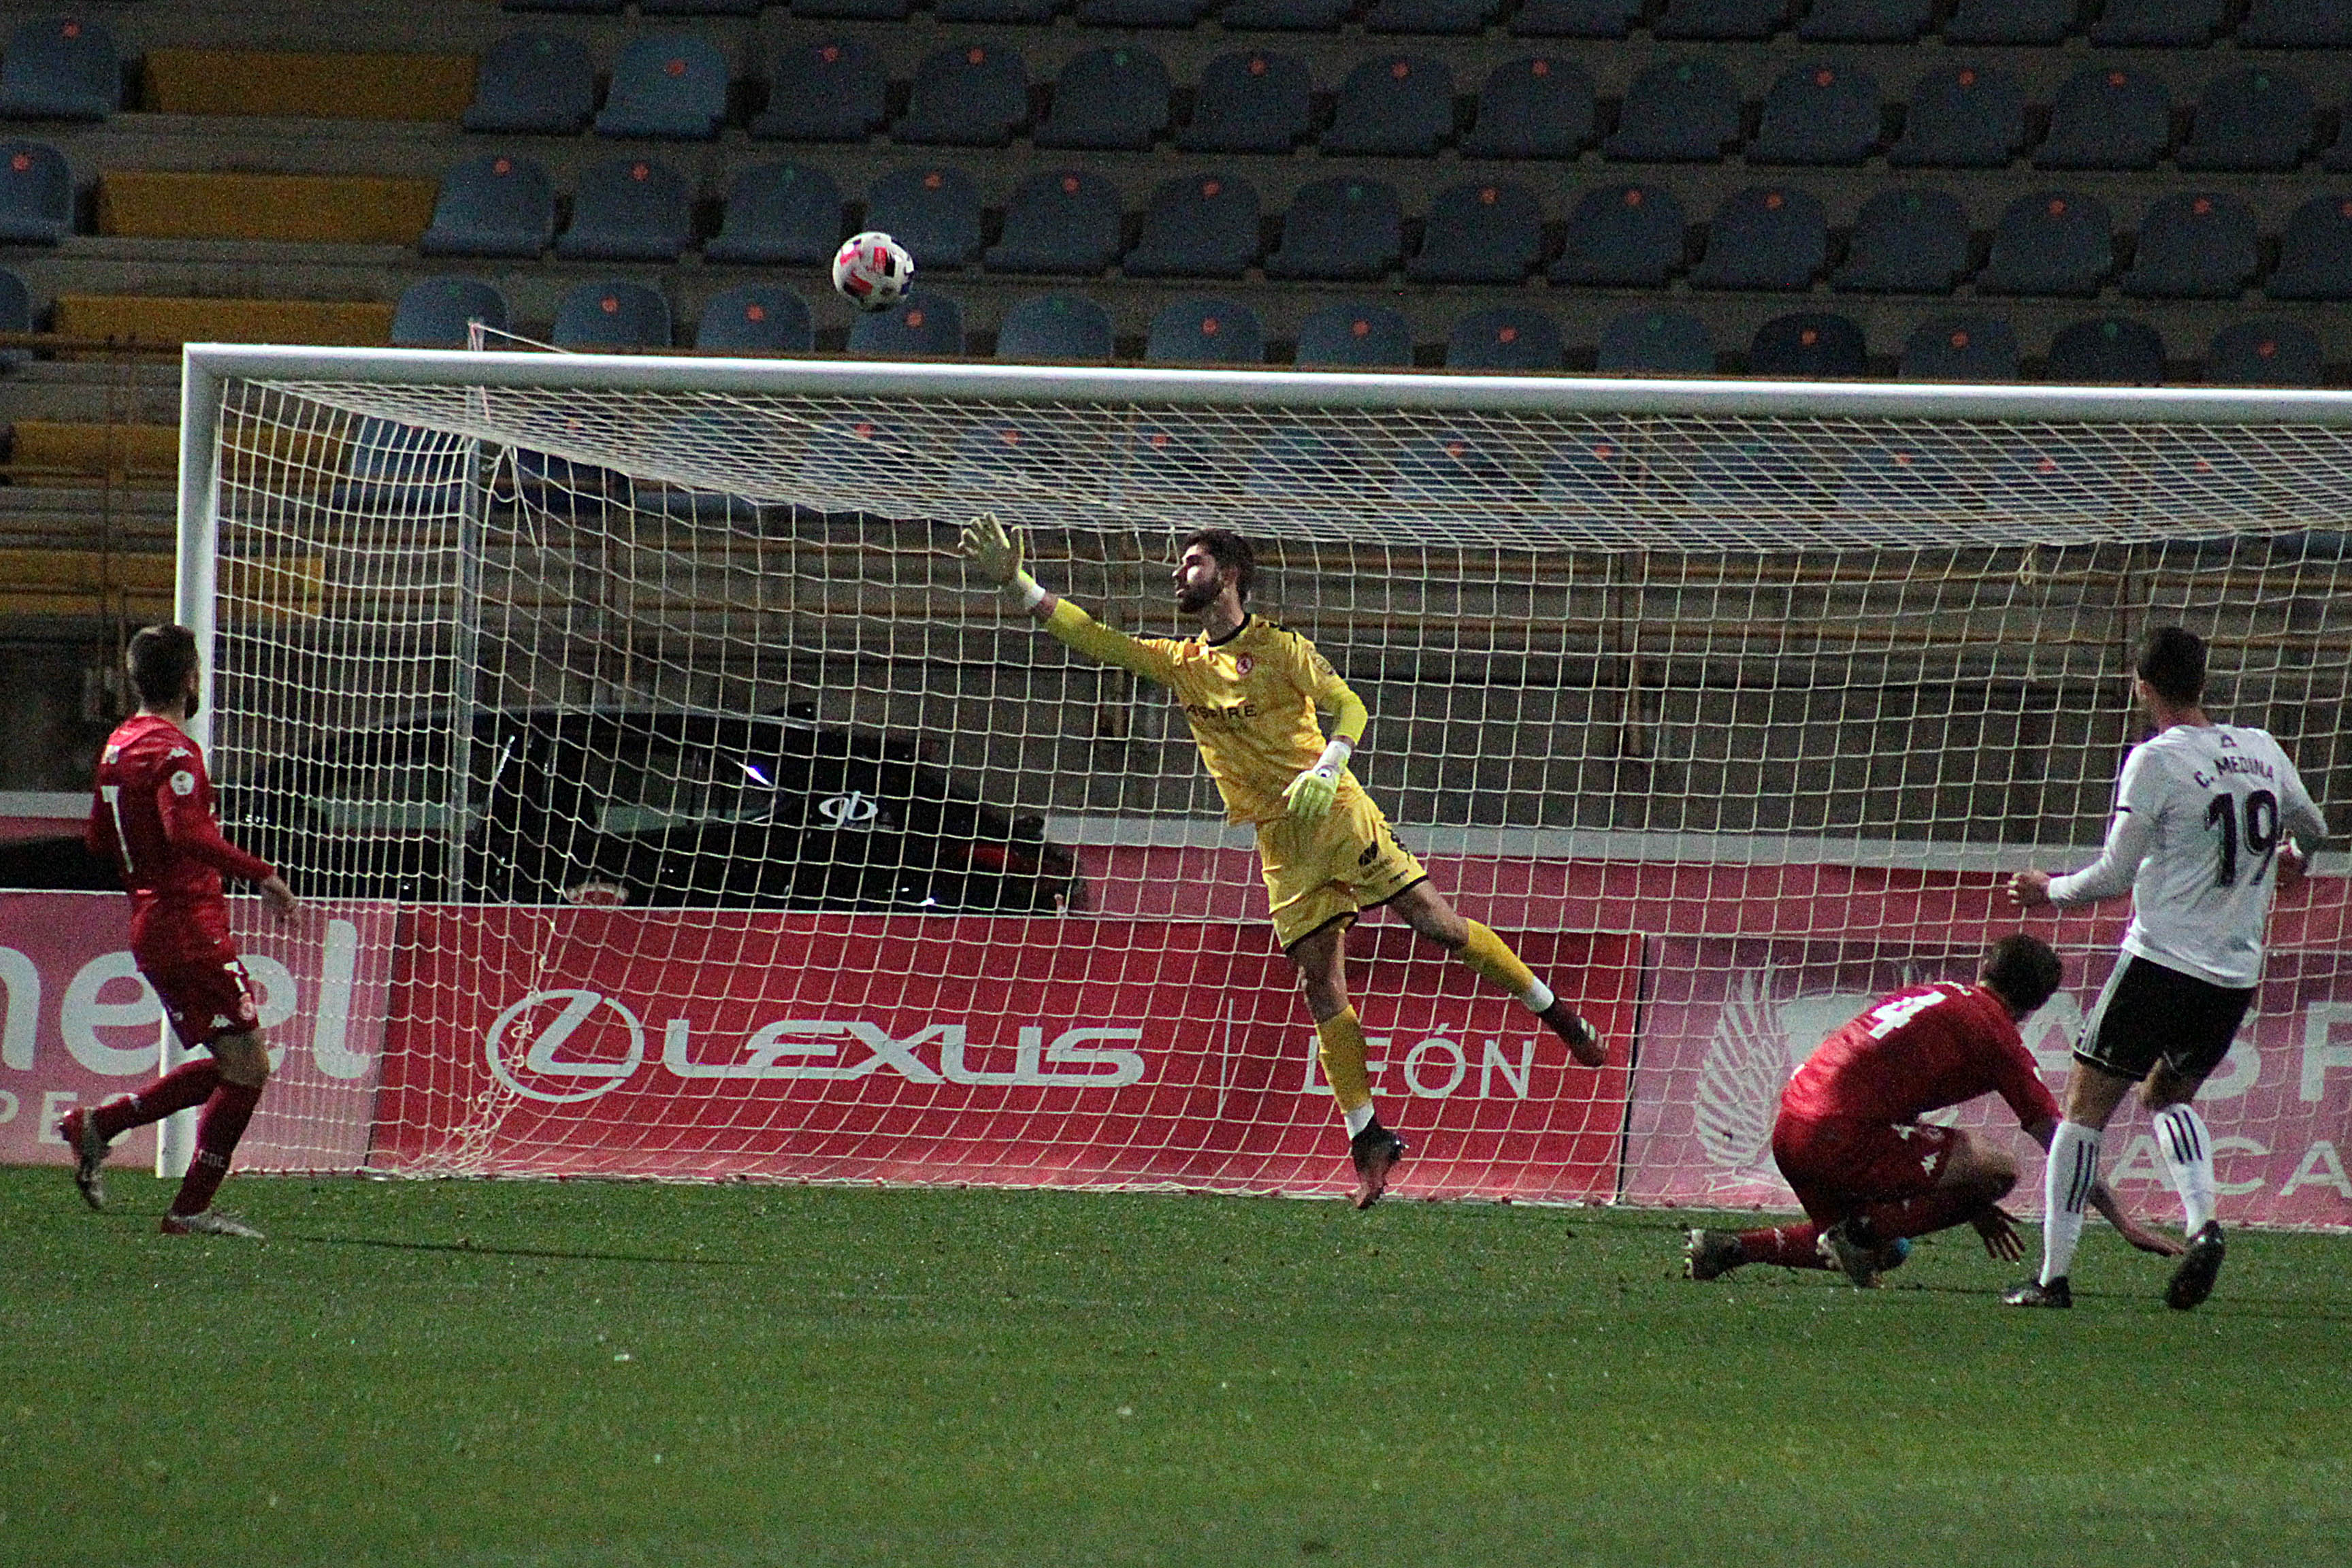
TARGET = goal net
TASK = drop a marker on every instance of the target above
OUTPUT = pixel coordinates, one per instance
(673, 801)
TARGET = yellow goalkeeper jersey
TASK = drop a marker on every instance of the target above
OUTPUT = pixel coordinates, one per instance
(1250, 697)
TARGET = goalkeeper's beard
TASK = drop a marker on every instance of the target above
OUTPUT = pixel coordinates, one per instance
(1192, 599)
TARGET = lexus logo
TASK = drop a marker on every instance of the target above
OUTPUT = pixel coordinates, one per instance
(855, 809)
(534, 1051)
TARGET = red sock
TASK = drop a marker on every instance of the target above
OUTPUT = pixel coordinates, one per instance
(1939, 1209)
(217, 1130)
(190, 1083)
(1790, 1246)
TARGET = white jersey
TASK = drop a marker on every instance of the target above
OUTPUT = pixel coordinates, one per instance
(2201, 812)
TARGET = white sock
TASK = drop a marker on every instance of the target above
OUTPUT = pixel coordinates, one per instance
(1358, 1118)
(1538, 998)
(2189, 1159)
(2066, 1184)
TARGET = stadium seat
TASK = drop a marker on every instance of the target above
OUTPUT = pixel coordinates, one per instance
(1540, 107)
(833, 91)
(1961, 117)
(1356, 335)
(1109, 99)
(435, 312)
(1721, 19)
(533, 84)
(2296, 25)
(922, 325)
(969, 96)
(1198, 225)
(1435, 17)
(2054, 242)
(1907, 242)
(628, 209)
(1681, 112)
(1400, 105)
(1806, 346)
(1142, 13)
(1913, 475)
(1865, 21)
(1587, 475)
(60, 68)
(1455, 468)
(392, 468)
(1294, 465)
(1819, 114)
(1063, 328)
(755, 319)
(672, 86)
(1254, 102)
(1060, 220)
(1506, 338)
(1961, 348)
(1485, 233)
(2108, 118)
(931, 209)
(1284, 15)
(2264, 353)
(1008, 13)
(1339, 229)
(2161, 24)
(491, 206)
(611, 313)
(2195, 245)
(1576, 18)
(2251, 120)
(1656, 342)
(1205, 331)
(1623, 236)
(1766, 237)
(570, 7)
(852, 10)
(36, 195)
(2315, 252)
(2011, 21)
(779, 214)
(2112, 351)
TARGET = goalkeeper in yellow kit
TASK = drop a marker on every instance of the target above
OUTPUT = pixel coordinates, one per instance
(1250, 691)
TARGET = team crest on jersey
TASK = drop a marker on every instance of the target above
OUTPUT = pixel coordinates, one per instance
(1245, 664)
(183, 783)
(220, 1020)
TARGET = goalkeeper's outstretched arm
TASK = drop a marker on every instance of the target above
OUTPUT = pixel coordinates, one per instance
(997, 554)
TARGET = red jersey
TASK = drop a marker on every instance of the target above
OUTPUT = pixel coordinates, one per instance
(1919, 1050)
(152, 816)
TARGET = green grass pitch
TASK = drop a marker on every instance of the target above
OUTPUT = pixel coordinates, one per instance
(592, 1374)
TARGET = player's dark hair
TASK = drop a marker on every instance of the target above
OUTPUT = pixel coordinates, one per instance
(1228, 550)
(161, 658)
(2172, 662)
(2025, 971)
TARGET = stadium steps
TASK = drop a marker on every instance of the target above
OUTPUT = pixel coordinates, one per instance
(315, 209)
(76, 584)
(174, 320)
(46, 452)
(243, 82)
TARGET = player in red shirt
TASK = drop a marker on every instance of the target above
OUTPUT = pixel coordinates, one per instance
(1867, 1171)
(152, 816)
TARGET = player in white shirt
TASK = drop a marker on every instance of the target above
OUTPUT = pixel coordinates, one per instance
(2210, 820)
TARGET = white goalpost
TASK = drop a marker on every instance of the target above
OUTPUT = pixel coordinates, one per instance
(672, 803)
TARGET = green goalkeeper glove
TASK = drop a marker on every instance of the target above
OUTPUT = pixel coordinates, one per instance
(996, 551)
(1310, 794)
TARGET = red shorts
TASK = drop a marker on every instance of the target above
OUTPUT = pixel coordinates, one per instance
(1838, 1163)
(203, 987)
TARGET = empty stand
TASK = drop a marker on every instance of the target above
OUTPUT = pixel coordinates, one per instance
(1485, 233)
(533, 83)
(755, 319)
(2194, 245)
(779, 214)
(2315, 252)
(437, 312)
(2107, 117)
(1062, 328)
(1109, 99)
(1463, 16)
(1355, 335)
(2170, 23)
(305, 85)
(1961, 117)
(2264, 353)
(1907, 242)
(60, 68)
(831, 90)
(2251, 120)
(1770, 236)
(1249, 102)
(1722, 19)
(1063, 220)
(496, 205)
(1625, 237)
(1400, 105)
(971, 95)
(667, 85)
(36, 195)
(1865, 21)
(1819, 114)
(922, 325)
(2054, 242)
(1575, 19)
(1656, 342)
(1142, 13)
(350, 209)
(853, 10)
(931, 209)
(2296, 25)
(1205, 331)
(1683, 111)
(1013, 13)
(628, 209)
(1197, 225)
(174, 320)
(1533, 107)
(2112, 351)
(1339, 229)
(1285, 15)
(1808, 345)
(1506, 338)
(2011, 21)
(611, 313)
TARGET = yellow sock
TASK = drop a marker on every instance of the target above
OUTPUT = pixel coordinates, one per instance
(1342, 1038)
(1492, 959)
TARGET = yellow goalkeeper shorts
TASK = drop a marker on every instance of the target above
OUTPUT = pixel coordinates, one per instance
(1316, 872)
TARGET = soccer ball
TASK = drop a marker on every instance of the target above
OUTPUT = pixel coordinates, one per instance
(872, 270)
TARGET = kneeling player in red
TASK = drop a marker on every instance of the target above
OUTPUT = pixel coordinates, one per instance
(153, 817)
(1867, 1171)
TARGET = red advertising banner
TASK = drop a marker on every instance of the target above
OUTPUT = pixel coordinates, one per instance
(1728, 1020)
(940, 1049)
(79, 1025)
